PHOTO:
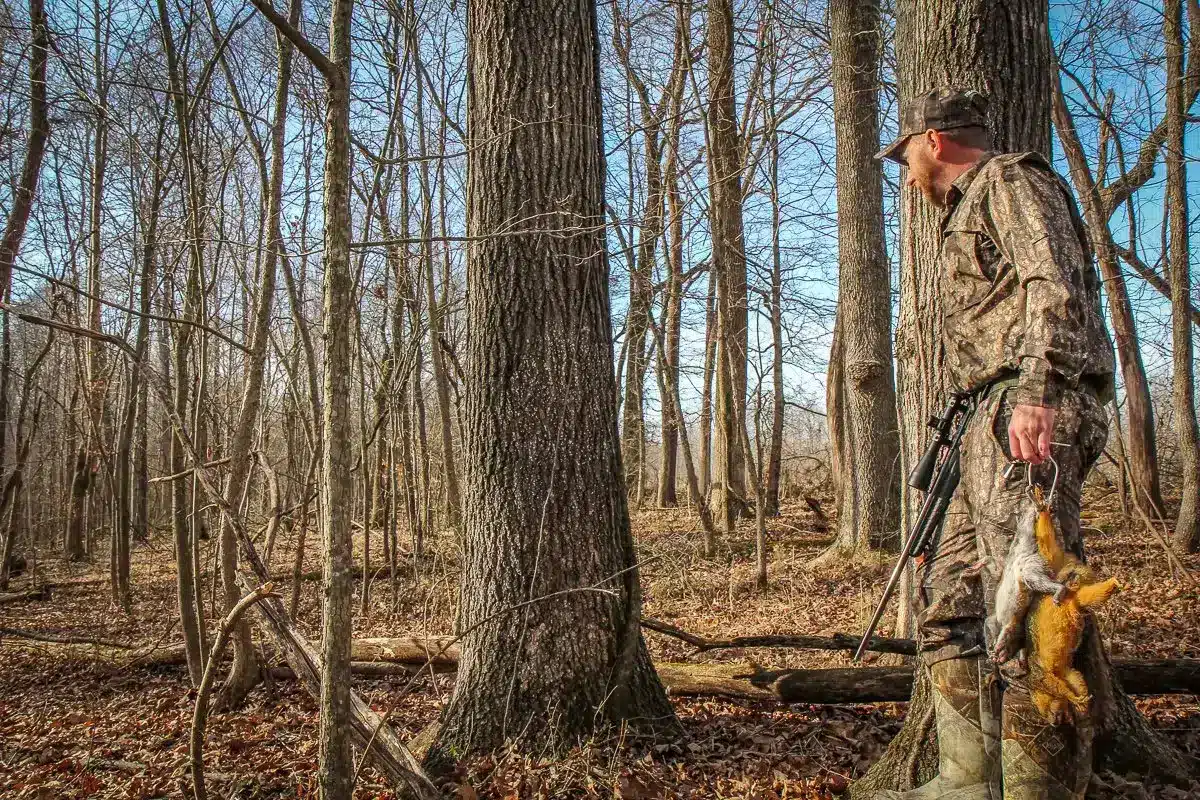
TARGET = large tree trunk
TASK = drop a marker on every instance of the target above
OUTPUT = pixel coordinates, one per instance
(546, 508)
(1003, 50)
(1183, 395)
(729, 264)
(867, 480)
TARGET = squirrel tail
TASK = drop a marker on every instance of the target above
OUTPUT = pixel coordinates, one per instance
(1096, 593)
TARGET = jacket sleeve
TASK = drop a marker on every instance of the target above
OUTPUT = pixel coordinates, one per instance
(1032, 227)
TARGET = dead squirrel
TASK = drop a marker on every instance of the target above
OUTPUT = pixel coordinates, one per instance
(1055, 625)
(1026, 572)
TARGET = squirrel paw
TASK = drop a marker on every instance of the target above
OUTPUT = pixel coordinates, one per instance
(975, 569)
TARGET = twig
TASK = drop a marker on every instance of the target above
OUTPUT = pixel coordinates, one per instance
(187, 472)
(1172, 559)
(132, 311)
(200, 716)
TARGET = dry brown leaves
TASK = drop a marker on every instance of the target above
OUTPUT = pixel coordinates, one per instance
(81, 729)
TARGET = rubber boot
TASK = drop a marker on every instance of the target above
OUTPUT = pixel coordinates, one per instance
(1039, 759)
(967, 735)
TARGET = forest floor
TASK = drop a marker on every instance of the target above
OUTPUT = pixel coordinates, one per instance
(73, 727)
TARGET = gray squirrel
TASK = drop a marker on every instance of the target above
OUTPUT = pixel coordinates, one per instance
(1025, 573)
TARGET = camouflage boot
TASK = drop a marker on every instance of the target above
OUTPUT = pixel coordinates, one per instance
(1041, 760)
(967, 735)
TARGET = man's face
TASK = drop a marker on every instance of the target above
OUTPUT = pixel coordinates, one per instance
(924, 169)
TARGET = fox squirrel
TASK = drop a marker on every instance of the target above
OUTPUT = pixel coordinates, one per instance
(1054, 626)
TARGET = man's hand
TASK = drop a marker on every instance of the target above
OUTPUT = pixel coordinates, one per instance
(1029, 433)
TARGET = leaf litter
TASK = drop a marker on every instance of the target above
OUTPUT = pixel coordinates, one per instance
(74, 727)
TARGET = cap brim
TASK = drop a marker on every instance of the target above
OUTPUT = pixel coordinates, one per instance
(894, 151)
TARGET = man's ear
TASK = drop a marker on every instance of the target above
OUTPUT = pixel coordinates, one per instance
(935, 141)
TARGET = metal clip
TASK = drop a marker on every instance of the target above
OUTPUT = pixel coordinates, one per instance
(1053, 483)
(1012, 465)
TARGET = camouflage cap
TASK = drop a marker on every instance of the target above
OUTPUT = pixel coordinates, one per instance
(940, 109)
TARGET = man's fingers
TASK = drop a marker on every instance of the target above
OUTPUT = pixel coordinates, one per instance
(1043, 443)
(1029, 433)
(1029, 446)
(1014, 444)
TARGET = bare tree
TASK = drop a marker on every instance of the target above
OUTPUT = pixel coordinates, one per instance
(1187, 526)
(863, 416)
(550, 586)
(191, 613)
(729, 263)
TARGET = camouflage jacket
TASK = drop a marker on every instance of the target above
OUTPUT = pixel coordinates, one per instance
(1020, 291)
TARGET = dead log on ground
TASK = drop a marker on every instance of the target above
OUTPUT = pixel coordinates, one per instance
(410, 651)
(880, 684)
(39, 593)
(55, 638)
(388, 657)
(847, 685)
(838, 641)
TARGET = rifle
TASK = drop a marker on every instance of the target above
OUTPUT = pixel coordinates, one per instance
(936, 474)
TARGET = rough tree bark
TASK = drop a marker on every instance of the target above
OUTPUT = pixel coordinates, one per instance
(868, 486)
(1004, 51)
(546, 508)
(1183, 394)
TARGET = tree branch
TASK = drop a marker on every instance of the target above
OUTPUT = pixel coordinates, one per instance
(310, 51)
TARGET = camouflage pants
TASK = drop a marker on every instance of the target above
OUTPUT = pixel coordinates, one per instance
(979, 526)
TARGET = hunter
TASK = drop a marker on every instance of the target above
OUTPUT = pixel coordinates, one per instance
(1023, 329)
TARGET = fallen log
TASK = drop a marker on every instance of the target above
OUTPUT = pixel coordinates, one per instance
(388, 657)
(409, 651)
(838, 641)
(844, 685)
(39, 593)
(882, 684)
(55, 638)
